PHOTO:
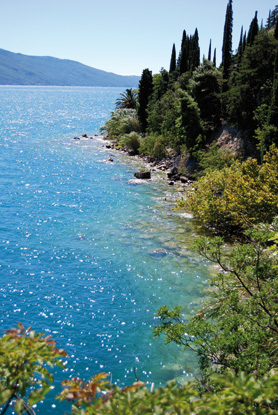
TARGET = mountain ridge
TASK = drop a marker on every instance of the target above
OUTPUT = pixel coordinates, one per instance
(20, 69)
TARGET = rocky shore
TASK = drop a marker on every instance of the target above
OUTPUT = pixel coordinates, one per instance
(168, 165)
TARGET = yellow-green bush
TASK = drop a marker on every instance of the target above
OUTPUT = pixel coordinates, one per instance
(237, 196)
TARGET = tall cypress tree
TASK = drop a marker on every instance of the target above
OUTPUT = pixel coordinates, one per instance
(173, 60)
(214, 58)
(144, 94)
(227, 42)
(195, 56)
(209, 51)
(184, 54)
(253, 30)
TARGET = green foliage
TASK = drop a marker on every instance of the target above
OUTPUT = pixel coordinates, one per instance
(214, 158)
(154, 145)
(253, 30)
(236, 395)
(249, 84)
(24, 357)
(144, 94)
(173, 60)
(122, 121)
(205, 86)
(237, 196)
(127, 99)
(227, 42)
(189, 124)
(237, 327)
(130, 141)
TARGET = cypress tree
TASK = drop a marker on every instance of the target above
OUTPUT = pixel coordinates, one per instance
(144, 94)
(209, 51)
(240, 46)
(214, 58)
(253, 30)
(227, 42)
(184, 54)
(182, 44)
(195, 51)
(173, 60)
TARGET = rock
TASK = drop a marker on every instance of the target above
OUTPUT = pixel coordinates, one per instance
(171, 183)
(184, 179)
(76, 138)
(84, 135)
(110, 159)
(108, 146)
(142, 175)
(173, 173)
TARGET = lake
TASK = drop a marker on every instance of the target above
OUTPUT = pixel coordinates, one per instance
(87, 254)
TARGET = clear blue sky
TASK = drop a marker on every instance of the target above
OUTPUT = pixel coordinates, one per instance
(120, 36)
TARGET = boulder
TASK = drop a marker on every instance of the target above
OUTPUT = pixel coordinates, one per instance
(142, 175)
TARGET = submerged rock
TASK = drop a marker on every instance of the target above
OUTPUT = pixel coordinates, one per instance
(142, 175)
(158, 253)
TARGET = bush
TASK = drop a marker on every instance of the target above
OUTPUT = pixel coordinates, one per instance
(131, 141)
(122, 121)
(154, 145)
(237, 196)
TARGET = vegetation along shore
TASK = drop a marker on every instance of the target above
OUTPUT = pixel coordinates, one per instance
(215, 129)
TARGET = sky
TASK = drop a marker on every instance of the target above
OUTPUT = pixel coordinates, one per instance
(121, 36)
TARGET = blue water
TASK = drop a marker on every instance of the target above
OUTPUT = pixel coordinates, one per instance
(87, 254)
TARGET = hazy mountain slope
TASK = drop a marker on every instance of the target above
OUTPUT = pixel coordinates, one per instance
(18, 69)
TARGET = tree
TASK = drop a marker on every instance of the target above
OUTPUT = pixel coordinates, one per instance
(144, 94)
(253, 30)
(205, 85)
(128, 99)
(24, 376)
(237, 327)
(194, 51)
(214, 58)
(209, 51)
(272, 19)
(251, 83)
(173, 60)
(227, 43)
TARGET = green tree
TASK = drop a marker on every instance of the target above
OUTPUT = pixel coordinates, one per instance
(144, 94)
(205, 86)
(250, 85)
(253, 30)
(227, 43)
(188, 123)
(209, 51)
(173, 60)
(24, 360)
(237, 327)
(127, 99)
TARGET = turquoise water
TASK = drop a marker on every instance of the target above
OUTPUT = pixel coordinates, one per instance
(86, 253)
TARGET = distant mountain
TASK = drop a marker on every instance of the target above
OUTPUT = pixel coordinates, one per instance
(18, 69)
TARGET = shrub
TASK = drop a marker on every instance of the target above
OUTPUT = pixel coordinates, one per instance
(131, 141)
(122, 121)
(237, 196)
(154, 145)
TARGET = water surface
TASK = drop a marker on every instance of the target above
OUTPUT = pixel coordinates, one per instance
(87, 254)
